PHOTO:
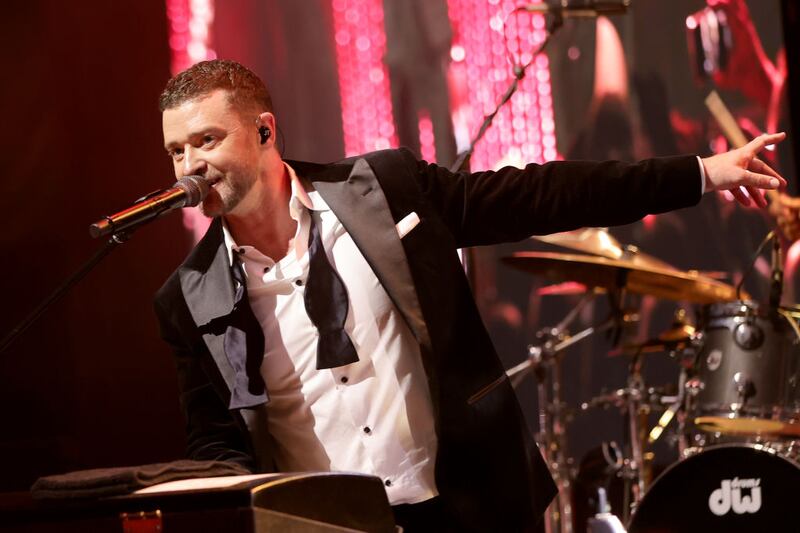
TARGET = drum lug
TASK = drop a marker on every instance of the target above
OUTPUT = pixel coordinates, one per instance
(744, 388)
(694, 386)
(748, 336)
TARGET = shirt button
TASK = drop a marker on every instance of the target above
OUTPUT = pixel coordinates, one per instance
(343, 379)
(367, 430)
(298, 282)
(388, 482)
(266, 269)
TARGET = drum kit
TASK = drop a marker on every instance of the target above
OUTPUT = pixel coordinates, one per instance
(733, 416)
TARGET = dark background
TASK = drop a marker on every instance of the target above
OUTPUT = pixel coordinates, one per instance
(90, 384)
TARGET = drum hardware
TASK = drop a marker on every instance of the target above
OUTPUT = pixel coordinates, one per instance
(744, 389)
(636, 412)
(694, 386)
(651, 397)
(680, 337)
(636, 401)
(748, 335)
(544, 361)
(674, 405)
(664, 421)
(604, 521)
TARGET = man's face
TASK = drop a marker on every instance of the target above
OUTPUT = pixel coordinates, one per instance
(208, 137)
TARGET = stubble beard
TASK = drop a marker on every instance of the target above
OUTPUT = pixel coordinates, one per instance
(224, 196)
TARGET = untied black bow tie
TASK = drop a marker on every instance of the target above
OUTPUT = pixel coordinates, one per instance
(326, 304)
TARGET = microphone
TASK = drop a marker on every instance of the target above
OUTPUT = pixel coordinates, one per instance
(776, 286)
(187, 192)
(586, 10)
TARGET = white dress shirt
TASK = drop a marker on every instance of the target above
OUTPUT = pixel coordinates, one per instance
(374, 416)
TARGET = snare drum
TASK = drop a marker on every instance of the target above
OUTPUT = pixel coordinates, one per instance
(730, 487)
(748, 366)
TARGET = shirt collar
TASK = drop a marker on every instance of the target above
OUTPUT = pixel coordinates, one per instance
(301, 200)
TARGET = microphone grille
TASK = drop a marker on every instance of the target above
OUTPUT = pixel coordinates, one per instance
(195, 187)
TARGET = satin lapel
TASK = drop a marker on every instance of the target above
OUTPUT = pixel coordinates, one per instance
(360, 205)
(208, 291)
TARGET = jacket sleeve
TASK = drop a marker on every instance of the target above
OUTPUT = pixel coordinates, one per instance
(211, 429)
(510, 204)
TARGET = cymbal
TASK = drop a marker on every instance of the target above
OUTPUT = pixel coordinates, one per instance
(566, 288)
(598, 241)
(791, 310)
(747, 426)
(623, 274)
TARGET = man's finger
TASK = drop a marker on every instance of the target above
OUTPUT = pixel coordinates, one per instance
(765, 139)
(740, 196)
(758, 165)
(757, 195)
(762, 181)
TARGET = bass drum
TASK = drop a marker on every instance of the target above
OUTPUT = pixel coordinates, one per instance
(730, 487)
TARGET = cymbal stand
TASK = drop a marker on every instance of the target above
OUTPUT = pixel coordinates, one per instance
(632, 470)
(545, 362)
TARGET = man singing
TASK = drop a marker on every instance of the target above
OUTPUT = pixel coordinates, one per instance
(324, 322)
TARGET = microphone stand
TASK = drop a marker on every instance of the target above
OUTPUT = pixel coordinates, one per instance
(115, 240)
(462, 161)
(120, 230)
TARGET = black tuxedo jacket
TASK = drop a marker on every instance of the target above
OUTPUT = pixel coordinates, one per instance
(488, 468)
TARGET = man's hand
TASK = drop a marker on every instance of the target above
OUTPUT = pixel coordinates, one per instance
(741, 168)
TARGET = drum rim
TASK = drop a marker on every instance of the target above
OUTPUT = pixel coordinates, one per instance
(771, 412)
(742, 305)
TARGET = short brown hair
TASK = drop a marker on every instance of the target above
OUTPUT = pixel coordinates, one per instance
(245, 89)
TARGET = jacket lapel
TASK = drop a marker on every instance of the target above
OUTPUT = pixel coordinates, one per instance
(360, 204)
(208, 290)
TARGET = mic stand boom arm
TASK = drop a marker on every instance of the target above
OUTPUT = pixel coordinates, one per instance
(187, 192)
(115, 240)
(462, 161)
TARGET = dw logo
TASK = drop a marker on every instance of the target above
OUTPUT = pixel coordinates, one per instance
(729, 496)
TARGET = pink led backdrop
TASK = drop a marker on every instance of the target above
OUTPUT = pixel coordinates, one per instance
(363, 81)
(190, 42)
(190, 32)
(524, 130)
